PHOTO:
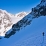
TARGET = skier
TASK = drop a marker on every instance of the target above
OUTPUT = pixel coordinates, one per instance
(43, 33)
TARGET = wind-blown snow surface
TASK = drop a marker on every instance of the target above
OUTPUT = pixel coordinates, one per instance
(28, 36)
(33, 35)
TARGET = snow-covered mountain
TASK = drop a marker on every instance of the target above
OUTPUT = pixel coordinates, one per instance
(7, 20)
(22, 19)
(39, 10)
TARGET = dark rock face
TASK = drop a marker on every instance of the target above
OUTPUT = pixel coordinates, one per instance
(0, 38)
(43, 12)
(10, 34)
(39, 10)
(43, 0)
(21, 24)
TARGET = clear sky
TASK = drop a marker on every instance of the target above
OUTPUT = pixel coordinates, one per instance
(15, 6)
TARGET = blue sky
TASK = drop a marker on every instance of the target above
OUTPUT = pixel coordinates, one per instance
(15, 6)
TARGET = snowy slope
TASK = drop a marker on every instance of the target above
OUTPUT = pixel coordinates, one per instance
(39, 10)
(28, 36)
(34, 35)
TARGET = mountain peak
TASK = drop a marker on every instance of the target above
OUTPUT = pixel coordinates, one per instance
(20, 14)
(2, 11)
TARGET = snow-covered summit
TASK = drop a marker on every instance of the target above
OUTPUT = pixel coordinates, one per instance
(20, 14)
